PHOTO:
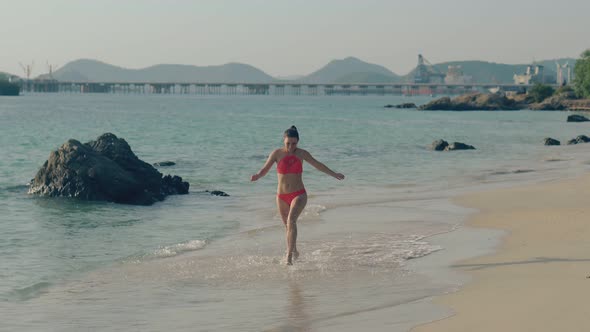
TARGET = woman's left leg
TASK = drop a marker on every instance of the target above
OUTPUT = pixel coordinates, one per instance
(297, 206)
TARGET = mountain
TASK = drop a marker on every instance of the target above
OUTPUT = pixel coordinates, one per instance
(350, 70)
(344, 71)
(86, 70)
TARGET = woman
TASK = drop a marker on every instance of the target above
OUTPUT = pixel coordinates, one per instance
(291, 195)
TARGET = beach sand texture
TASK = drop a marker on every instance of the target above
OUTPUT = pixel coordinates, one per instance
(538, 279)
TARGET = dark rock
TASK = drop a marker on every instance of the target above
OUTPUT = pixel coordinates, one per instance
(551, 141)
(577, 118)
(459, 146)
(217, 193)
(443, 104)
(520, 171)
(406, 105)
(173, 185)
(165, 163)
(439, 145)
(473, 102)
(553, 103)
(103, 170)
(579, 139)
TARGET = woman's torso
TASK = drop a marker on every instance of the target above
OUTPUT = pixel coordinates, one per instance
(292, 180)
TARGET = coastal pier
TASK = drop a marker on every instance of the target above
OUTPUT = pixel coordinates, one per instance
(273, 89)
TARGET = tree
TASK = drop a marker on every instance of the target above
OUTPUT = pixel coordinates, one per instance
(540, 92)
(582, 75)
(9, 89)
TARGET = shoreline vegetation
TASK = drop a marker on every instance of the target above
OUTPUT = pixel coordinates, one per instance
(9, 89)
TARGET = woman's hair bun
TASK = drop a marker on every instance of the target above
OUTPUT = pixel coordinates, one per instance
(291, 132)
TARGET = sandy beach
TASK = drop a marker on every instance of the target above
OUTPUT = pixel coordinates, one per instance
(538, 278)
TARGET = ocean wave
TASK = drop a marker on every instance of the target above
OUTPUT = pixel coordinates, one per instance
(376, 254)
(312, 212)
(30, 292)
(379, 251)
(177, 249)
(516, 171)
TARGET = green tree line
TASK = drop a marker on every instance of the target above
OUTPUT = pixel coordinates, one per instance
(7, 88)
(582, 75)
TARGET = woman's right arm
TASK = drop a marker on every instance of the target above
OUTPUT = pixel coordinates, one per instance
(271, 160)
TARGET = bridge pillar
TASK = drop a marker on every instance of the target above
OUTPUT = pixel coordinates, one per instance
(279, 90)
(232, 89)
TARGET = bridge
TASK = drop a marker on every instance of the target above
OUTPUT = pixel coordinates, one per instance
(271, 88)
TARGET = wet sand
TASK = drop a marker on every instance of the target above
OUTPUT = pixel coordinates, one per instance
(538, 279)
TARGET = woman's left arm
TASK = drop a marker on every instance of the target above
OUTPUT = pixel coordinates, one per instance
(320, 166)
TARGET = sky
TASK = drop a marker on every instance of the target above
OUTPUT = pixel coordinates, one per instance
(285, 38)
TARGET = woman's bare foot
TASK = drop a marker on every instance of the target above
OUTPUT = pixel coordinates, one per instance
(289, 258)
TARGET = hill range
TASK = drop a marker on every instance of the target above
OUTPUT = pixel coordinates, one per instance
(343, 71)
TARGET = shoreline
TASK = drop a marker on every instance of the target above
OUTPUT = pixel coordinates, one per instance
(533, 279)
(396, 305)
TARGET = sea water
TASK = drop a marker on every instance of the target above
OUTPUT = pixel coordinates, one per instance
(201, 262)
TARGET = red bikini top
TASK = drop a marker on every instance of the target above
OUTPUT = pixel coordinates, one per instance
(290, 165)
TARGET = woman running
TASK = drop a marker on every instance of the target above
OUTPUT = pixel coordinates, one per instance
(291, 195)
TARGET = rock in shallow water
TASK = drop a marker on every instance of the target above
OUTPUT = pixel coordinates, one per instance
(103, 170)
(217, 193)
(442, 145)
(551, 141)
(164, 163)
(579, 139)
(439, 145)
(577, 118)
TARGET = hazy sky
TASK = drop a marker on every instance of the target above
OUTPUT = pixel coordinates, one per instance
(288, 37)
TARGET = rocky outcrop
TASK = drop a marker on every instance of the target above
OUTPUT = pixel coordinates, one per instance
(164, 163)
(577, 118)
(442, 145)
(404, 105)
(578, 140)
(551, 141)
(217, 193)
(441, 104)
(439, 145)
(553, 103)
(499, 101)
(473, 102)
(577, 104)
(103, 170)
(459, 146)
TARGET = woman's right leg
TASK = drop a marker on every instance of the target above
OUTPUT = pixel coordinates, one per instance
(297, 206)
(284, 208)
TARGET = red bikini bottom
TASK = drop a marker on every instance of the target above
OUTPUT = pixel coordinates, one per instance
(289, 197)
